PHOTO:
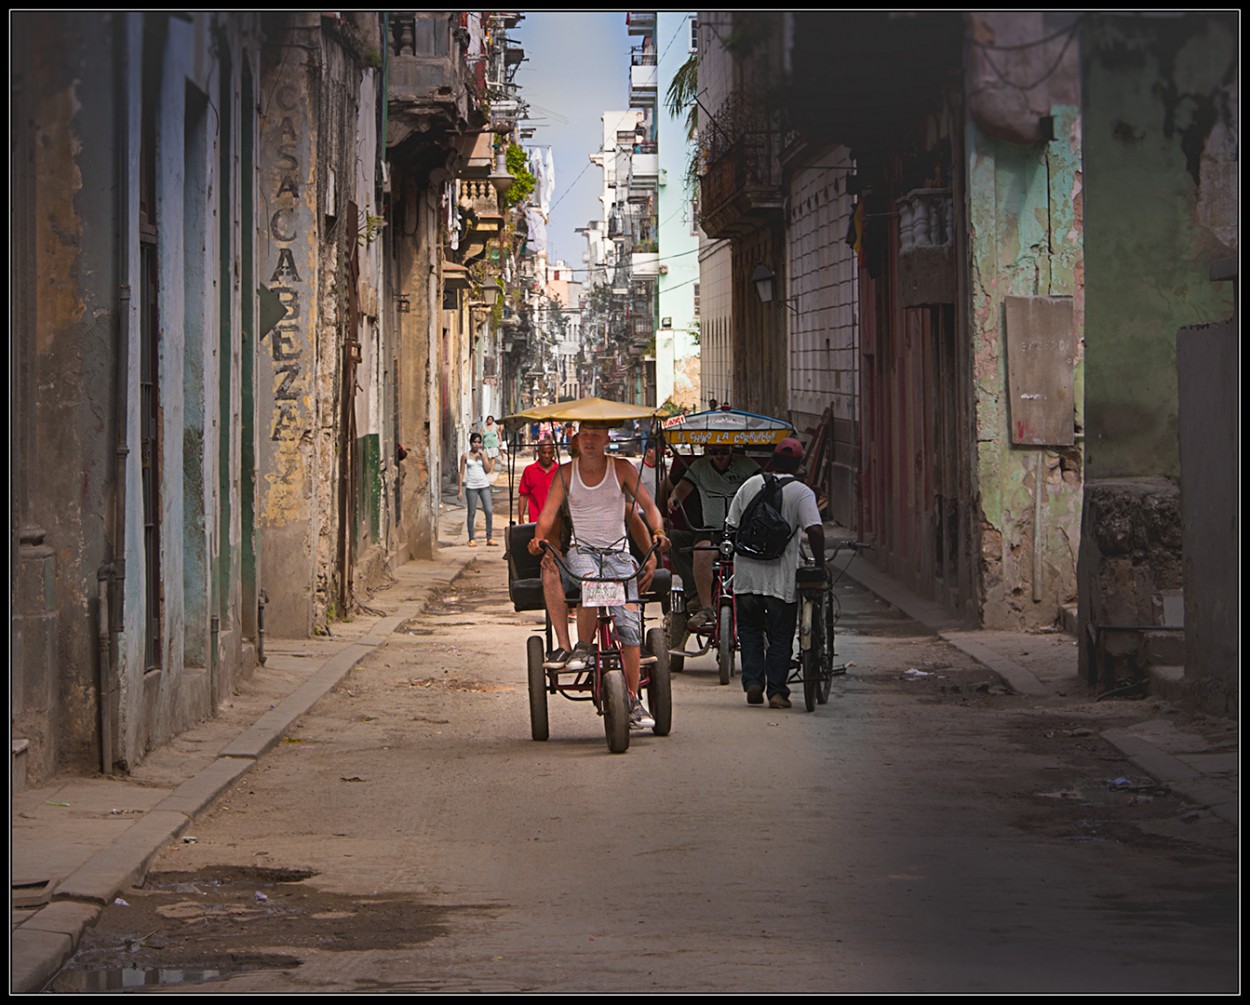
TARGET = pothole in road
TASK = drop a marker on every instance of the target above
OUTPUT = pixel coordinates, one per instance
(197, 927)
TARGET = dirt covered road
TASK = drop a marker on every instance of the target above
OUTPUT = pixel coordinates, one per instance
(923, 832)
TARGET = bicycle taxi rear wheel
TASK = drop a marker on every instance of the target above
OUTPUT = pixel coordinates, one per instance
(538, 687)
(677, 635)
(725, 643)
(660, 687)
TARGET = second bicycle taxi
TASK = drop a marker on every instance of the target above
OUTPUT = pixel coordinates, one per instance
(602, 680)
(747, 433)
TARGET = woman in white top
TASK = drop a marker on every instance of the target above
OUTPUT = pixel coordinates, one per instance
(475, 470)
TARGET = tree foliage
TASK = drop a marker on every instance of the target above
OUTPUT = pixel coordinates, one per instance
(523, 182)
(681, 96)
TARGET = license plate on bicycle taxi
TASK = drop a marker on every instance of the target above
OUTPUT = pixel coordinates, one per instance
(603, 593)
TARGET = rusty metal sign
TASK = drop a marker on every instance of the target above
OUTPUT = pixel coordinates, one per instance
(1041, 352)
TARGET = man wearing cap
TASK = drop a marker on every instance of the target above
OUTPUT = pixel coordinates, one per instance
(764, 593)
(716, 476)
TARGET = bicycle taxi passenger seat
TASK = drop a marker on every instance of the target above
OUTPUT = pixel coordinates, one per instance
(525, 573)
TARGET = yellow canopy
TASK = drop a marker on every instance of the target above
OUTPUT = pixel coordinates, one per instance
(726, 426)
(582, 410)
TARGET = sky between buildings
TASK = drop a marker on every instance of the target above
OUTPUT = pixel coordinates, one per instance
(577, 67)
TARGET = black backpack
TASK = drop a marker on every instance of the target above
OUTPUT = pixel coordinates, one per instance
(763, 532)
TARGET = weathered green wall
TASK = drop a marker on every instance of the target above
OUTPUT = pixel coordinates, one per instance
(1024, 240)
(1160, 181)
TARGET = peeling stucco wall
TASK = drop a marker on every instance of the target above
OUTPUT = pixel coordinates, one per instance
(1161, 120)
(1025, 240)
(61, 418)
(79, 266)
(286, 368)
(1160, 127)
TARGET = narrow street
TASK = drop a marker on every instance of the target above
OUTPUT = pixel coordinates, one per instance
(917, 834)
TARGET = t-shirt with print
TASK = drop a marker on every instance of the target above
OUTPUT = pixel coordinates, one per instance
(717, 488)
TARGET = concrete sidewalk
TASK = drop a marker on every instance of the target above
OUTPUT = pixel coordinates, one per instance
(77, 843)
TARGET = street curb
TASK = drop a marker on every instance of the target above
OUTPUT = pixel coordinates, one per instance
(1017, 677)
(193, 795)
(1176, 775)
(274, 724)
(124, 862)
(938, 620)
(44, 942)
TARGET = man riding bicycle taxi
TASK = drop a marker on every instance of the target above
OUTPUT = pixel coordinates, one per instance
(595, 485)
(716, 477)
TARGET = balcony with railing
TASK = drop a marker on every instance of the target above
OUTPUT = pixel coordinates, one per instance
(426, 59)
(740, 187)
(645, 264)
(644, 78)
(645, 170)
(479, 204)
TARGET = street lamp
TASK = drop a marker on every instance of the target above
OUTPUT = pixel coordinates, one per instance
(764, 280)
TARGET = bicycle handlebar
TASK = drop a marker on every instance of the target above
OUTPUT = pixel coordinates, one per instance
(546, 545)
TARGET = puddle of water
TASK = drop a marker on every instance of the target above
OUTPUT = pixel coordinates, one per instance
(128, 979)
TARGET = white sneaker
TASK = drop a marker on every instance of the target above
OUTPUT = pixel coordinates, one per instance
(639, 717)
(580, 658)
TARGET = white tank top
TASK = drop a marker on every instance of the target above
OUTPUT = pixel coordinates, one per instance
(598, 512)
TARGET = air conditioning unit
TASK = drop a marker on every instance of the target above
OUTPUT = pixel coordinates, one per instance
(663, 270)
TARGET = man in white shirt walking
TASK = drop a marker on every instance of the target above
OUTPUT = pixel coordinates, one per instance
(765, 598)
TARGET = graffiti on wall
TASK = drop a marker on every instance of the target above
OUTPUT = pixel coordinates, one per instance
(285, 345)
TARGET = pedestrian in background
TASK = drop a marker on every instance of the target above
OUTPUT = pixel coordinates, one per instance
(536, 480)
(492, 441)
(475, 471)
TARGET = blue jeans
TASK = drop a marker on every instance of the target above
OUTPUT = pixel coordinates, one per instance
(766, 636)
(471, 498)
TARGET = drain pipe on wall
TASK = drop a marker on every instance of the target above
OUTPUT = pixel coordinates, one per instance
(262, 600)
(1038, 470)
(112, 582)
(214, 662)
(104, 644)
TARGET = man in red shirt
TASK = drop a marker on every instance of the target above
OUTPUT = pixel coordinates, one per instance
(536, 479)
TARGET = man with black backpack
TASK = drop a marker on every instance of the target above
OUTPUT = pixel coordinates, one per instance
(764, 520)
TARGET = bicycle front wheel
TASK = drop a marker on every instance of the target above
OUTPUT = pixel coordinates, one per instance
(810, 657)
(616, 711)
(822, 635)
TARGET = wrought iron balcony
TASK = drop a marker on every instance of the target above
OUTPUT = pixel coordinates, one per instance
(740, 190)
